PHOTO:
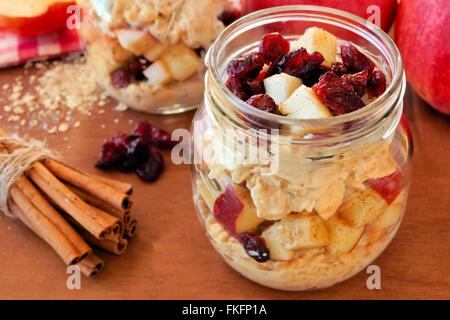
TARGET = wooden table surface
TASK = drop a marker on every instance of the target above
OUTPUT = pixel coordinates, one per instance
(171, 258)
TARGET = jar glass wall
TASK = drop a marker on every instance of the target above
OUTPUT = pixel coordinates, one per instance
(300, 204)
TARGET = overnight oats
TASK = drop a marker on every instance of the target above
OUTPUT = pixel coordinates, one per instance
(300, 170)
(149, 54)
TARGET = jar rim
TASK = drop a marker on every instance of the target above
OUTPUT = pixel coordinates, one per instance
(380, 106)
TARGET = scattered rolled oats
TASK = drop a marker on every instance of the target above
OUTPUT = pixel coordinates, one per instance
(52, 130)
(61, 91)
(13, 118)
(18, 110)
(121, 107)
(63, 127)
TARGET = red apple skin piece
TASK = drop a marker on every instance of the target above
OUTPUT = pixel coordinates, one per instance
(388, 187)
(423, 40)
(227, 208)
(357, 7)
(54, 19)
(235, 211)
(405, 125)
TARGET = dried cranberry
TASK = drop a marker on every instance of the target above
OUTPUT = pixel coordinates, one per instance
(120, 78)
(247, 66)
(337, 94)
(356, 61)
(313, 76)
(152, 169)
(299, 63)
(144, 130)
(377, 84)
(112, 155)
(273, 46)
(238, 87)
(262, 75)
(339, 68)
(153, 135)
(264, 102)
(358, 81)
(162, 139)
(228, 16)
(137, 67)
(120, 139)
(273, 69)
(255, 247)
(255, 86)
(137, 153)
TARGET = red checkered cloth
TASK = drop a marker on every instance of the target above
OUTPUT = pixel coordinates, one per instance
(15, 49)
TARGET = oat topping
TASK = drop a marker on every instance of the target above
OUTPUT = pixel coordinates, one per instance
(167, 20)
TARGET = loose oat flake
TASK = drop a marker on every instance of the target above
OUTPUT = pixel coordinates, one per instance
(60, 91)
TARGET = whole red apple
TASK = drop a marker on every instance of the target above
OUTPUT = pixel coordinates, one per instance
(362, 8)
(422, 33)
(32, 17)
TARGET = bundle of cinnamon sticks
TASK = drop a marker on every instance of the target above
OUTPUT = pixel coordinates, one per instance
(72, 210)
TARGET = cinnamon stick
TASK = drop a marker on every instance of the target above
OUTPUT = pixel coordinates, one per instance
(91, 266)
(116, 230)
(51, 214)
(99, 226)
(43, 207)
(130, 229)
(114, 234)
(120, 214)
(117, 246)
(35, 220)
(118, 185)
(91, 186)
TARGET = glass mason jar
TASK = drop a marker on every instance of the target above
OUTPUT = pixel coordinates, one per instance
(300, 204)
(150, 56)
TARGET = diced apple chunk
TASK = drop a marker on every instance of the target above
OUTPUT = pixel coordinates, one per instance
(181, 61)
(276, 247)
(391, 214)
(157, 74)
(362, 208)
(306, 231)
(155, 51)
(319, 40)
(281, 86)
(388, 187)
(343, 238)
(107, 55)
(248, 220)
(235, 210)
(136, 41)
(304, 104)
(295, 232)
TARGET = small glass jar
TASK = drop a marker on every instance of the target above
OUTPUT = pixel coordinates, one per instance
(150, 56)
(300, 204)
